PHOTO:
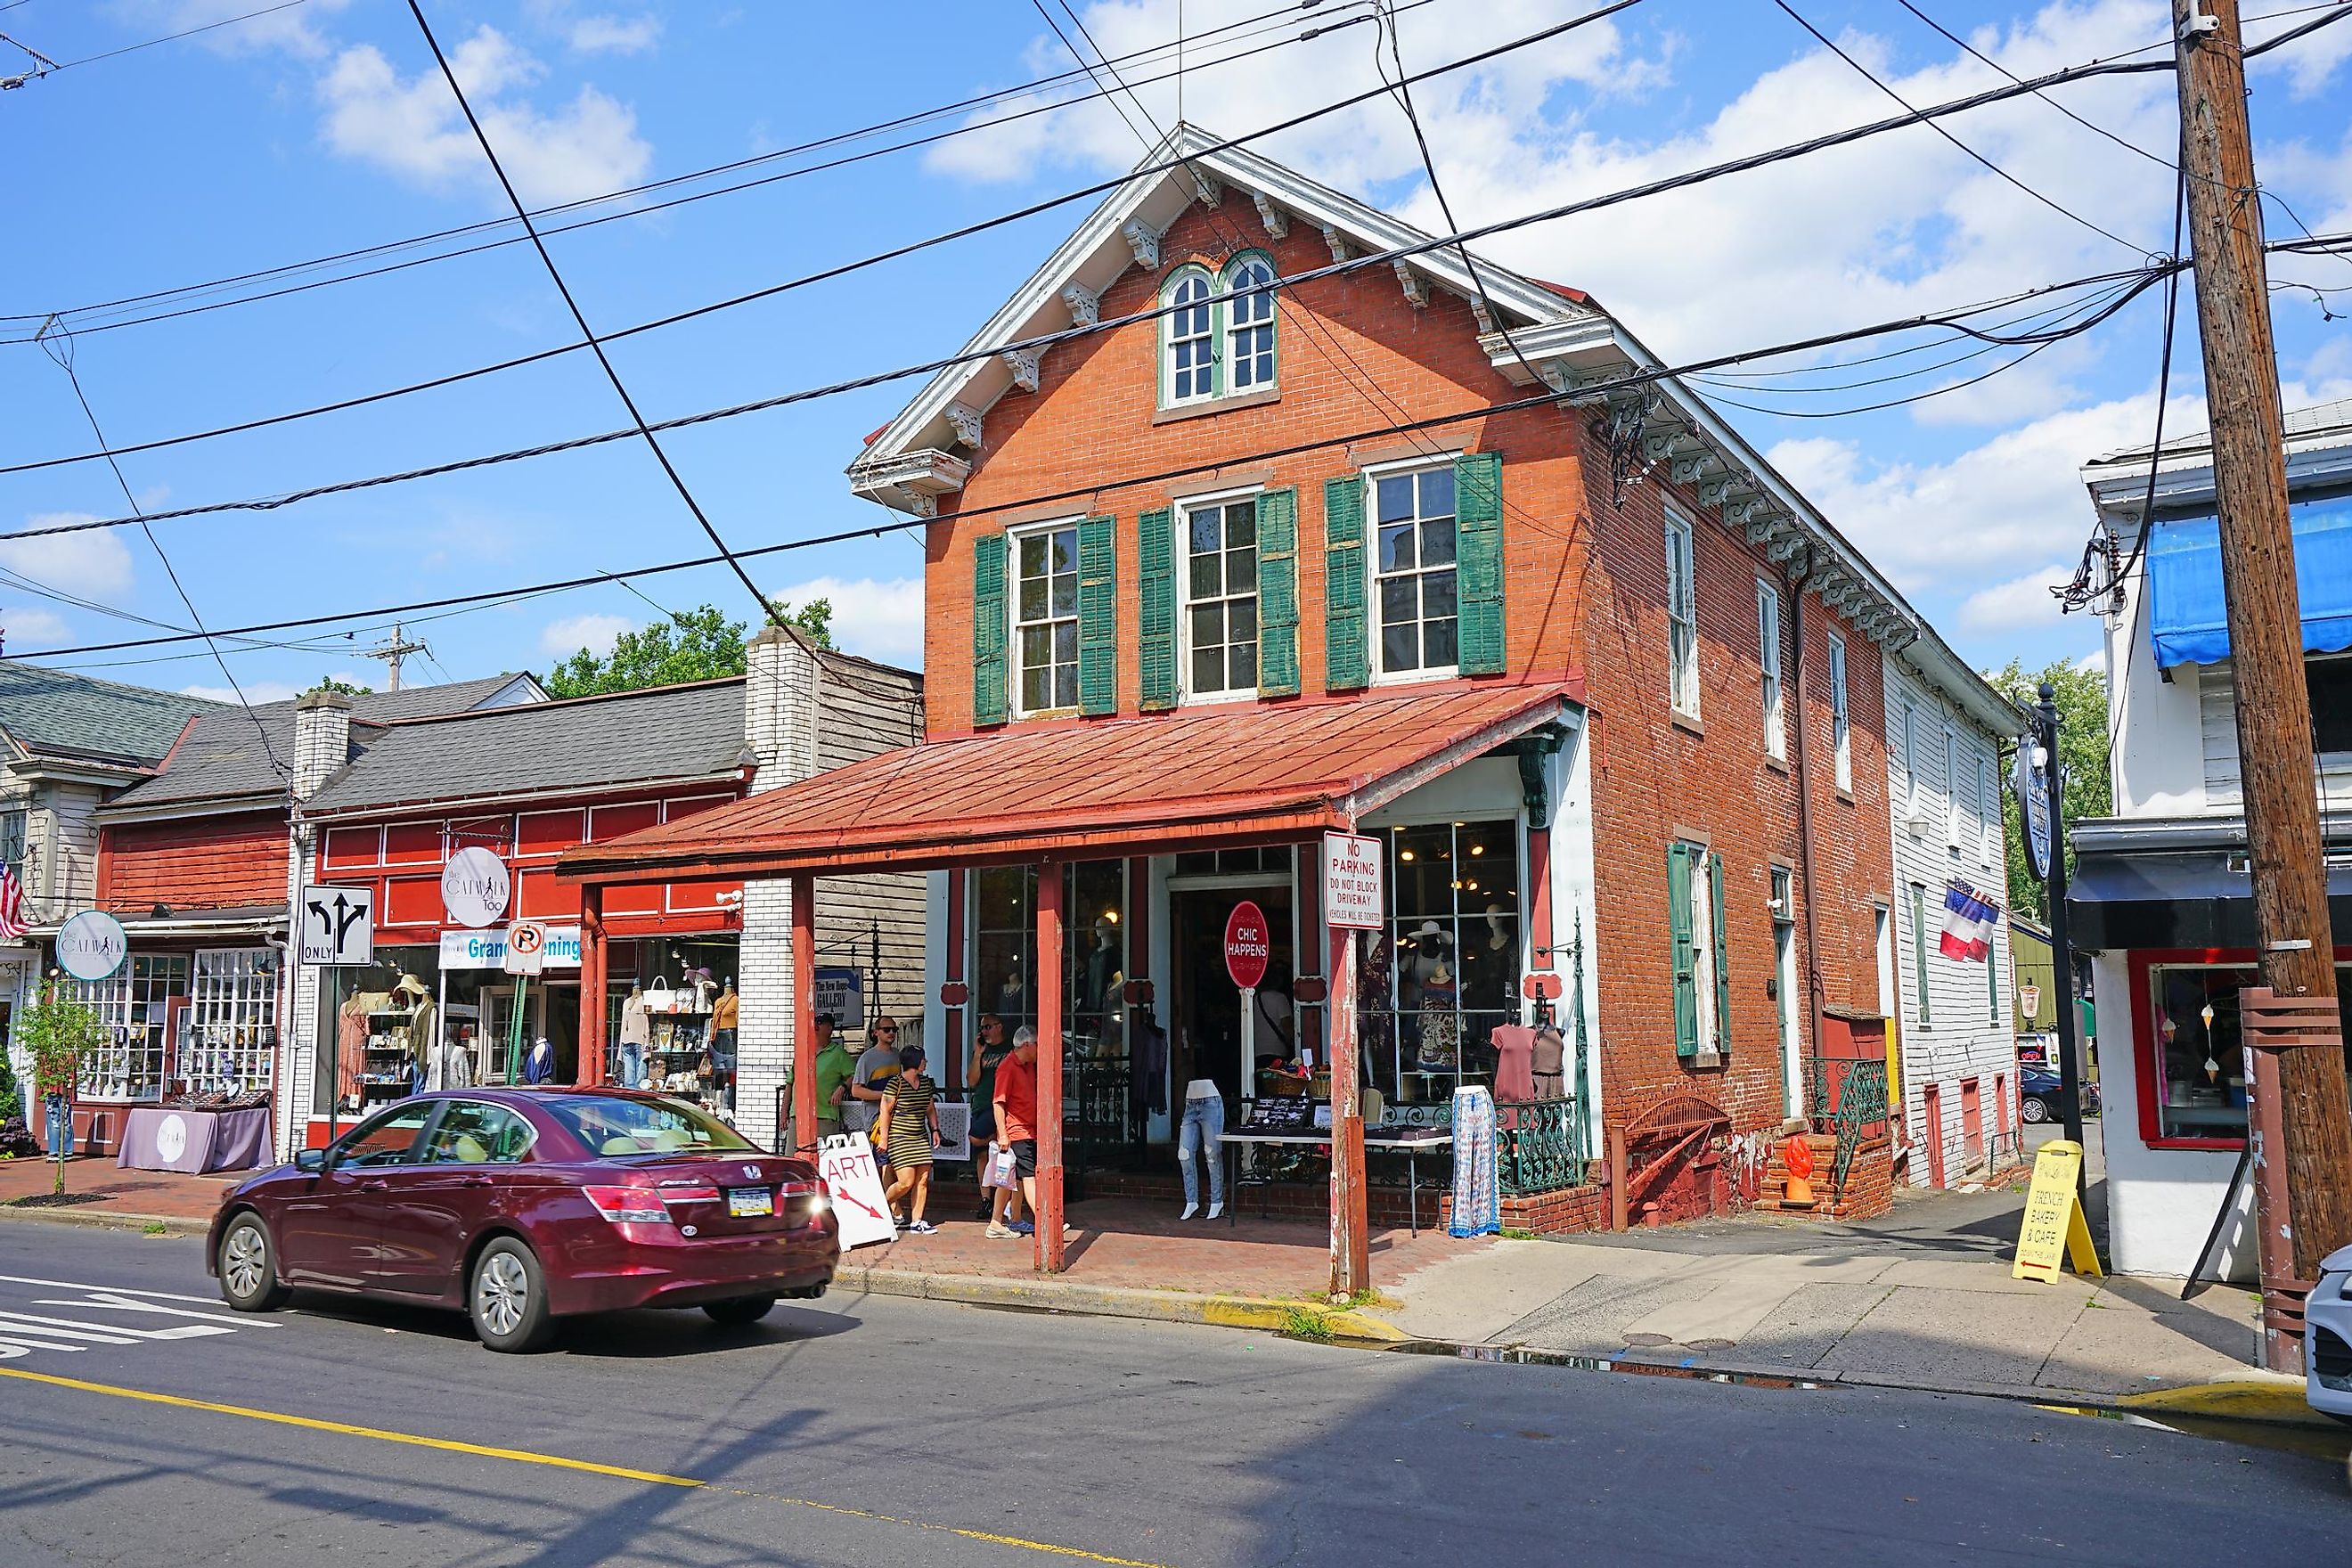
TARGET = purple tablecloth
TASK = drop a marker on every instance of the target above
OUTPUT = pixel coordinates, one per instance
(159, 1138)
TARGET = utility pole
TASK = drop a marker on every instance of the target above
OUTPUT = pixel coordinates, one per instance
(2313, 1117)
(392, 651)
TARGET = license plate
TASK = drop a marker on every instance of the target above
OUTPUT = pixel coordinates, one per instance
(745, 1202)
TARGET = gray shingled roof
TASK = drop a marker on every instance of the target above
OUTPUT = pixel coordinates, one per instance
(591, 742)
(52, 713)
(223, 757)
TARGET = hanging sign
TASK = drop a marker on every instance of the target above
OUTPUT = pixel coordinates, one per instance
(526, 950)
(93, 946)
(475, 888)
(1248, 945)
(337, 925)
(845, 1163)
(2032, 785)
(1352, 896)
(2053, 1229)
(841, 991)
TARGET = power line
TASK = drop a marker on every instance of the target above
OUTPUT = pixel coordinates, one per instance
(2146, 277)
(184, 33)
(611, 374)
(1648, 188)
(2087, 125)
(1868, 75)
(818, 144)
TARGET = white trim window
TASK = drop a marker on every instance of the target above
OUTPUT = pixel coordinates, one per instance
(1045, 617)
(1681, 617)
(1955, 805)
(1841, 716)
(1221, 598)
(1913, 786)
(1249, 327)
(1190, 352)
(1989, 809)
(1413, 572)
(1768, 638)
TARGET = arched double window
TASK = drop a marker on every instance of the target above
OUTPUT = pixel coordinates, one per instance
(1218, 336)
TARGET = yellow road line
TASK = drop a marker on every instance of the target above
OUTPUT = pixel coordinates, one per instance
(525, 1457)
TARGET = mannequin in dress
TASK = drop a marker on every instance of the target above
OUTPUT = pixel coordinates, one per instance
(724, 1011)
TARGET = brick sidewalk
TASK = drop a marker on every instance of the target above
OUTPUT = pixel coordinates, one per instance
(146, 1193)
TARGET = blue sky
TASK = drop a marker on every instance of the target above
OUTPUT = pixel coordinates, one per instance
(322, 126)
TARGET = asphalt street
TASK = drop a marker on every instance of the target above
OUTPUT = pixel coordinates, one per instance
(886, 1431)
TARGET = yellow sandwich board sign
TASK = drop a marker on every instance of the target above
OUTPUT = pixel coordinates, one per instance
(2053, 1227)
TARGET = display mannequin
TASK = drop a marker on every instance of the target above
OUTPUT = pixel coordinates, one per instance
(636, 1034)
(1550, 1081)
(1198, 1139)
(420, 1025)
(1515, 1048)
(724, 1009)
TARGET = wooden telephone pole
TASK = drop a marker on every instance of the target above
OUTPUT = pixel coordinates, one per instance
(2312, 1168)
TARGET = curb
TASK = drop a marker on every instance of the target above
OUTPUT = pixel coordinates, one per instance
(102, 1218)
(1301, 1319)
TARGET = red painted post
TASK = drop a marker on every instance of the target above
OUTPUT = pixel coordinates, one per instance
(804, 898)
(952, 1048)
(1048, 1217)
(593, 1046)
(1351, 1268)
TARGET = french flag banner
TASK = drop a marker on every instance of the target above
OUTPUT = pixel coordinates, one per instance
(1967, 924)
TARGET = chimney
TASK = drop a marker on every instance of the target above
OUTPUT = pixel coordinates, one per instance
(323, 740)
(780, 707)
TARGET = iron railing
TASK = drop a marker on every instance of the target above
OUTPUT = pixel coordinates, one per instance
(1540, 1146)
(1860, 1105)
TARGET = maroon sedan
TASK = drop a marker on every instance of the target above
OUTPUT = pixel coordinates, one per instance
(521, 1206)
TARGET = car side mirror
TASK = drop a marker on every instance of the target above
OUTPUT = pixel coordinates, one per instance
(311, 1162)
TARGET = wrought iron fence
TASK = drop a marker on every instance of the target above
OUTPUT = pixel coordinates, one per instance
(1860, 1101)
(1540, 1146)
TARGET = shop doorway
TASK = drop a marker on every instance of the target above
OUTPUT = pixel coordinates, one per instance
(1206, 1015)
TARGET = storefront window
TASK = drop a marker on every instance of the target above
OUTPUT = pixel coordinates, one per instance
(374, 1027)
(2201, 1064)
(1445, 974)
(1094, 958)
(134, 1007)
(230, 1035)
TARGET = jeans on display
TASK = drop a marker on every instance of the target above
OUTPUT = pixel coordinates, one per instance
(1204, 1123)
(633, 1064)
(56, 1132)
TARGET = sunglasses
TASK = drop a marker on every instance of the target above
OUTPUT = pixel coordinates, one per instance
(887, 1030)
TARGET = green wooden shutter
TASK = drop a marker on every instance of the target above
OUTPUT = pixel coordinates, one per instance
(1479, 572)
(1277, 593)
(989, 687)
(1722, 968)
(1098, 615)
(1347, 649)
(1685, 950)
(1155, 550)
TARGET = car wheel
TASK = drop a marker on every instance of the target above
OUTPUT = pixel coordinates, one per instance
(740, 1311)
(508, 1298)
(248, 1267)
(2033, 1110)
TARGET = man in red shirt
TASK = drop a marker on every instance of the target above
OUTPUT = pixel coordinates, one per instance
(1016, 1105)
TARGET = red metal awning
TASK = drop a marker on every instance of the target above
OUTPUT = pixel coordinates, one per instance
(1094, 789)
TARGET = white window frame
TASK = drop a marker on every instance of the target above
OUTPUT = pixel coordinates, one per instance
(1841, 716)
(1990, 845)
(1768, 636)
(1374, 626)
(1013, 665)
(1953, 807)
(1231, 357)
(1184, 599)
(1211, 335)
(1912, 787)
(1682, 615)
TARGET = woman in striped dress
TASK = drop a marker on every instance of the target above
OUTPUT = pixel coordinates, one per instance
(909, 1127)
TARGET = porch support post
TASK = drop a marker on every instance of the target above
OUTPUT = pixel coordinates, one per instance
(803, 899)
(1351, 1269)
(1048, 1217)
(590, 1073)
(953, 1015)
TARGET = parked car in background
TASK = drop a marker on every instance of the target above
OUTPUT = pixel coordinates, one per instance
(2037, 1092)
(523, 1207)
(2327, 1338)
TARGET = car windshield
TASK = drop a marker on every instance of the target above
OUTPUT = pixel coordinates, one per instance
(616, 1126)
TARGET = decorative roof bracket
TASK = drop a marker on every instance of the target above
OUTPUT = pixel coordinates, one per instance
(1085, 305)
(1024, 364)
(1336, 241)
(1781, 550)
(1210, 190)
(1144, 241)
(1416, 288)
(966, 422)
(1276, 221)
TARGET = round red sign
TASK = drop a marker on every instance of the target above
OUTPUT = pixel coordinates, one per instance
(1247, 945)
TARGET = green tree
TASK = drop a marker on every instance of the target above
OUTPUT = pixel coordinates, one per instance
(701, 644)
(12, 1103)
(2084, 744)
(340, 688)
(58, 1034)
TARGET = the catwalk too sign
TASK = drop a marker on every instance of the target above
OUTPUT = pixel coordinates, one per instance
(1247, 945)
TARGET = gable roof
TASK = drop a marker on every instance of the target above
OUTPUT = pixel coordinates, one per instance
(2318, 447)
(660, 734)
(57, 714)
(1527, 327)
(222, 759)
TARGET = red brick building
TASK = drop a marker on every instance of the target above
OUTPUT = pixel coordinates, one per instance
(1398, 548)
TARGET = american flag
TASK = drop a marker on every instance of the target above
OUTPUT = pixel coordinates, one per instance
(12, 905)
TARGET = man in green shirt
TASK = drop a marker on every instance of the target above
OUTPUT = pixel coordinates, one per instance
(835, 1068)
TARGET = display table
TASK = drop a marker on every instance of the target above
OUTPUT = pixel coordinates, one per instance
(168, 1137)
(1408, 1142)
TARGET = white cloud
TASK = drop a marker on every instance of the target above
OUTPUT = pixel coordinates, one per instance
(2021, 601)
(413, 128)
(290, 29)
(27, 627)
(616, 35)
(91, 564)
(876, 618)
(256, 692)
(562, 639)
(2308, 63)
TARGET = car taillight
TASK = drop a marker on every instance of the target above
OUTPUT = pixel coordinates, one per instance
(688, 1193)
(623, 1205)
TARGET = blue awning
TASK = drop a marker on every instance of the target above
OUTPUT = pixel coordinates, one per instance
(2184, 583)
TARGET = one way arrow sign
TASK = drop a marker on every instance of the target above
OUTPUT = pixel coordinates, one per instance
(339, 925)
